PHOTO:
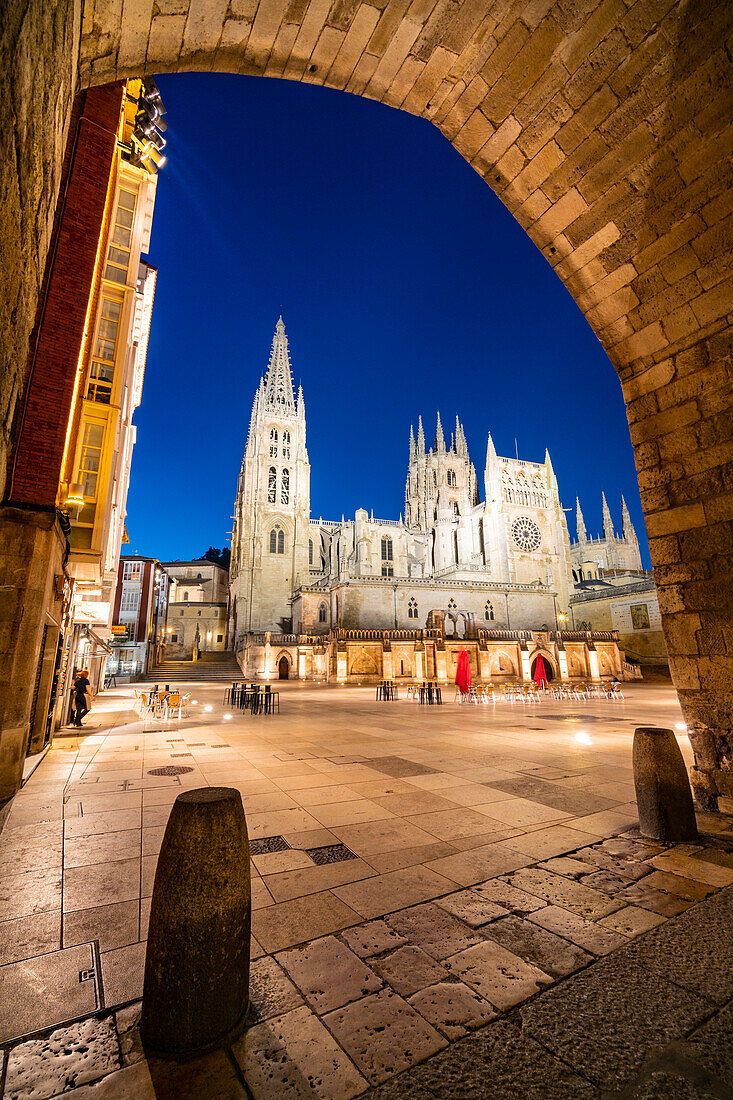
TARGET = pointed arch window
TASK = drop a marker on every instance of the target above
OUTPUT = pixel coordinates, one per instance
(387, 548)
(271, 485)
(273, 443)
(322, 613)
(489, 612)
(286, 444)
(450, 478)
(310, 551)
(277, 540)
(452, 605)
(455, 508)
(412, 608)
(285, 487)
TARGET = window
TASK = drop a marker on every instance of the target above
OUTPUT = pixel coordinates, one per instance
(273, 443)
(286, 444)
(185, 595)
(180, 612)
(118, 253)
(322, 613)
(450, 479)
(132, 570)
(387, 571)
(277, 540)
(130, 599)
(271, 485)
(387, 548)
(489, 612)
(220, 637)
(89, 459)
(412, 609)
(452, 604)
(174, 637)
(285, 487)
(310, 551)
(455, 507)
(102, 367)
(199, 614)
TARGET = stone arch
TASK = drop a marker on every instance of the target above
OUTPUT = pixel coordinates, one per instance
(547, 657)
(363, 664)
(629, 208)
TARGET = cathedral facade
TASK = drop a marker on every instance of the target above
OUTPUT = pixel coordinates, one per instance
(469, 555)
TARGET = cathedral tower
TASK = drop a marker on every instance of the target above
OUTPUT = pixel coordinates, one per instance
(272, 506)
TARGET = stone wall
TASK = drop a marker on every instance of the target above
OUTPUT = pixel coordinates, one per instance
(604, 127)
(39, 43)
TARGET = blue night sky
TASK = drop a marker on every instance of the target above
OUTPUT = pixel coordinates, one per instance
(405, 287)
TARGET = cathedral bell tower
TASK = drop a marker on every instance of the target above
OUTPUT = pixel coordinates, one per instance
(272, 506)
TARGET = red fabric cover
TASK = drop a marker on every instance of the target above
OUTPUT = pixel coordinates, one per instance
(540, 675)
(463, 672)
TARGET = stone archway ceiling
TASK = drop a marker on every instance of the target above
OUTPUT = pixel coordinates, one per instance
(600, 124)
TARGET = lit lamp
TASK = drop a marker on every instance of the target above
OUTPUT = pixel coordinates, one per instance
(75, 498)
(562, 619)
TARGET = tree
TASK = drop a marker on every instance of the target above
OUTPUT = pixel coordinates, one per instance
(219, 557)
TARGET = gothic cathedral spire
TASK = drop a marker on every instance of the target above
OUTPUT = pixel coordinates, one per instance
(278, 379)
(580, 522)
(439, 438)
(607, 521)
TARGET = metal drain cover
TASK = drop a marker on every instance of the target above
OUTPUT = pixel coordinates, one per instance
(170, 769)
(267, 844)
(330, 853)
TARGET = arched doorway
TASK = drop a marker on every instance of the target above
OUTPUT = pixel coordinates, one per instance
(283, 668)
(549, 671)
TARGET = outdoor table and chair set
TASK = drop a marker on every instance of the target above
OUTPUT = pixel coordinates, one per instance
(162, 704)
(253, 698)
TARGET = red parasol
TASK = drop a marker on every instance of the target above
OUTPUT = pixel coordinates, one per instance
(463, 672)
(540, 675)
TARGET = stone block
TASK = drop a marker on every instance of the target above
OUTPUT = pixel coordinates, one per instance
(67, 1058)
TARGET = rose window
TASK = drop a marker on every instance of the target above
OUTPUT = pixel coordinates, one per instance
(526, 533)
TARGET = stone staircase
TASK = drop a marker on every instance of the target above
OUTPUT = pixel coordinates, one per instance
(212, 667)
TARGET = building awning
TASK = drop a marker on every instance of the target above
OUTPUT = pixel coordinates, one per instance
(100, 645)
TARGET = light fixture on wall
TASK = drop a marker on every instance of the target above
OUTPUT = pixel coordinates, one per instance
(75, 498)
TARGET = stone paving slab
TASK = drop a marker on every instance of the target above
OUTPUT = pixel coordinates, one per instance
(446, 933)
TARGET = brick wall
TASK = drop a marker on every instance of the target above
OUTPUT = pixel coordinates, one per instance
(57, 338)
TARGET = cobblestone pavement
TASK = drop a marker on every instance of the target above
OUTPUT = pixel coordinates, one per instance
(449, 952)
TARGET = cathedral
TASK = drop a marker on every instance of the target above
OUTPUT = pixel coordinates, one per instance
(454, 566)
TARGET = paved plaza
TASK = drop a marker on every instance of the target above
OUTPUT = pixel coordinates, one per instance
(421, 876)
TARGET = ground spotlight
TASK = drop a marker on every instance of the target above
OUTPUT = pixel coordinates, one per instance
(583, 738)
(227, 717)
(681, 727)
(208, 708)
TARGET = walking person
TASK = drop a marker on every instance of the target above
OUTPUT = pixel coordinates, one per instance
(81, 690)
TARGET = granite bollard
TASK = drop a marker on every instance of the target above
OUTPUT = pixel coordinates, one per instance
(663, 795)
(196, 989)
